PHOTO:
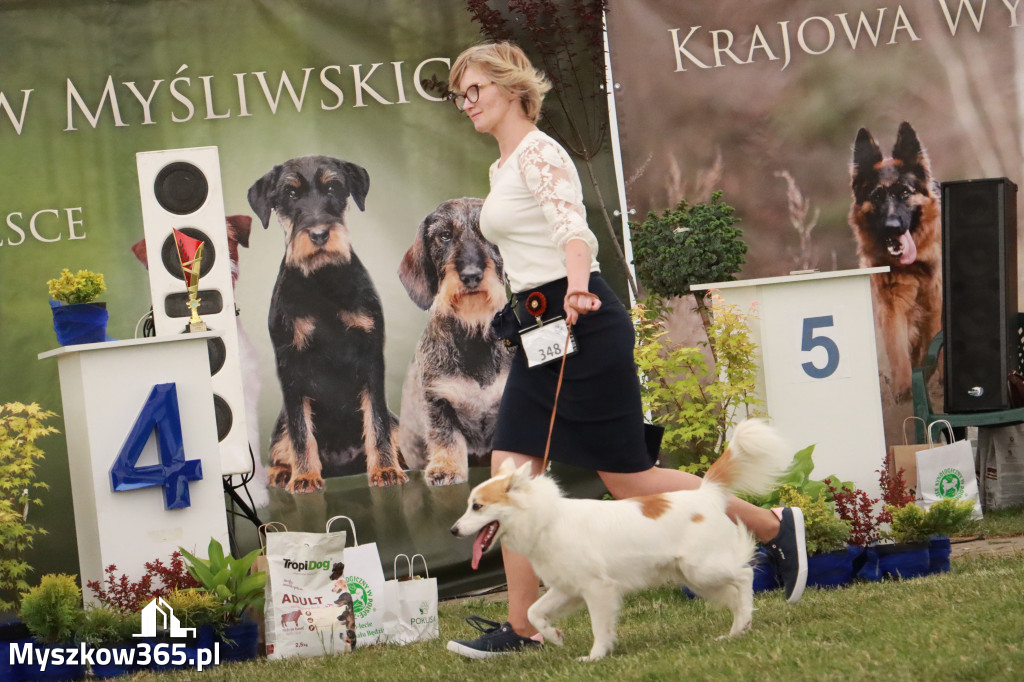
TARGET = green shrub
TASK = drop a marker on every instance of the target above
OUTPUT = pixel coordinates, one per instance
(695, 404)
(825, 532)
(20, 427)
(52, 610)
(194, 607)
(910, 523)
(106, 626)
(83, 286)
(687, 244)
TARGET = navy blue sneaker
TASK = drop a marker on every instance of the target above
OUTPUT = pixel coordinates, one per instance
(497, 639)
(787, 551)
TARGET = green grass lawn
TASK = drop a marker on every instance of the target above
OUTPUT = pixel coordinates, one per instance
(964, 625)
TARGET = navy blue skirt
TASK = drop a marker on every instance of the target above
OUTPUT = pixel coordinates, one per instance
(599, 424)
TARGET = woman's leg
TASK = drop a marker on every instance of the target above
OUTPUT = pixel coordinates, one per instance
(763, 523)
(523, 584)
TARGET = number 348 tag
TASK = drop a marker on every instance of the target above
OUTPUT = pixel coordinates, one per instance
(546, 343)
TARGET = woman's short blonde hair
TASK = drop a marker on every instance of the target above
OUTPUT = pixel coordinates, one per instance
(506, 65)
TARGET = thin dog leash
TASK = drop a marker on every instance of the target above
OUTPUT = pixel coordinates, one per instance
(561, 373)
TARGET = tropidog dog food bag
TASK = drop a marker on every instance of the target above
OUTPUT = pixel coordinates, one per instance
(365, 577)
(309, 609)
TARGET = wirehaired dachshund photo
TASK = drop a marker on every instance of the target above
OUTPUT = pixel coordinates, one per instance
(327, 329)
(454, 384)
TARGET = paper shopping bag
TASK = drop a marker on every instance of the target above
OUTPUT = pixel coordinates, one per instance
(260, 565)
(905, 457)
(947, 472)
(417, 605)
(309, 606)
(365, 577)
(414, 600)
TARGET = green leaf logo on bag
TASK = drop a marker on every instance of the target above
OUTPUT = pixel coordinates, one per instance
(362, 596)
(949, 484)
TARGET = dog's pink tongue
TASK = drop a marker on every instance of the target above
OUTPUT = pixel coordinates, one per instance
(478, 548)
(909, 254)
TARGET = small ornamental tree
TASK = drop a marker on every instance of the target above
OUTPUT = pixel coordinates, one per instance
(20, 427)
(696, 406)
(688, 244)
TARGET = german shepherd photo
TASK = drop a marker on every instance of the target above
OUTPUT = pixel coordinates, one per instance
(896, 219)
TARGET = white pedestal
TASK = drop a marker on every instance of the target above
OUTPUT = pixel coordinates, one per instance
(818, 366)
(104, 387)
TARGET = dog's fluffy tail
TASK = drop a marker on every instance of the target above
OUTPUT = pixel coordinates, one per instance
(754, 460)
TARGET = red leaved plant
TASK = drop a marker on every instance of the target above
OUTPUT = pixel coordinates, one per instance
(129, 596)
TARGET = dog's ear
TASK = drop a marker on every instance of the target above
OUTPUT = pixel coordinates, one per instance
(520, 476)
(139, 249)
(866, 155)
(358, 181)
(239, 227)
(417, 272)
(507, 468)
(261, 195)
(908, 150)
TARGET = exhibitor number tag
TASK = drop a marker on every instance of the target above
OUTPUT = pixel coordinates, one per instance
(546, 343)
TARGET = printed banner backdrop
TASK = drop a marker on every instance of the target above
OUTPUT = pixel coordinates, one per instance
(88, 84)
(766, 102)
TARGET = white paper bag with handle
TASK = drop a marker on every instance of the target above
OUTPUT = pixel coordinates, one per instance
(947, 472)
(415, 605)
(365, 578)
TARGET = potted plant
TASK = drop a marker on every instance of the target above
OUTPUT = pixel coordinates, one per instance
(112, 633)
(198, 610)
(913, 531)
(238, 590)
(829, 562)
(77, 316)
(52, 611)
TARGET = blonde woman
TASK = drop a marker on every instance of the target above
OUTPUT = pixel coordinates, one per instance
(535, 215)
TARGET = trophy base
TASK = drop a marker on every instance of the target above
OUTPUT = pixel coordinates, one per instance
(197, 327)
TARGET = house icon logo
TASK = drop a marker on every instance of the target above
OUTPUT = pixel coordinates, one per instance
(159, 611)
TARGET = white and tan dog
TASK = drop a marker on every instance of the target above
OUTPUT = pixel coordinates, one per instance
(593, 553)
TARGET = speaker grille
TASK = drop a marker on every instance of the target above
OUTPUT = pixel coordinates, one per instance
(181, 188)
(169, 253)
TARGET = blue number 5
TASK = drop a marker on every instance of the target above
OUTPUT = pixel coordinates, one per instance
(160, 411)
(810, 342)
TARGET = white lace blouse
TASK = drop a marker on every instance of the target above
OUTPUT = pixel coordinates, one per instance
(534, 209)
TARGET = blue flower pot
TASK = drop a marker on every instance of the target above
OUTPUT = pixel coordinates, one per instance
(240, 641)
(938, 555)
(765, 578)
(203, 640)
(903, 560)
(79, 322)
(866, 564)
(831, 570)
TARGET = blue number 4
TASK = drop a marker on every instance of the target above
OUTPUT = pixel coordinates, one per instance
(160, 411)
(809, 342)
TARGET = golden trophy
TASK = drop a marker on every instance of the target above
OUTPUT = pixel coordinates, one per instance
(190, 254)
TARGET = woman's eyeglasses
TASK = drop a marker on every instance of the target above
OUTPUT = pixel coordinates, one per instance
(471, 95)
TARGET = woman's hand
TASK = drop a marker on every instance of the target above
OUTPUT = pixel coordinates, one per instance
(578, 302)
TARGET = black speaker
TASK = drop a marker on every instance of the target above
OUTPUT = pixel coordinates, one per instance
(979, 287)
